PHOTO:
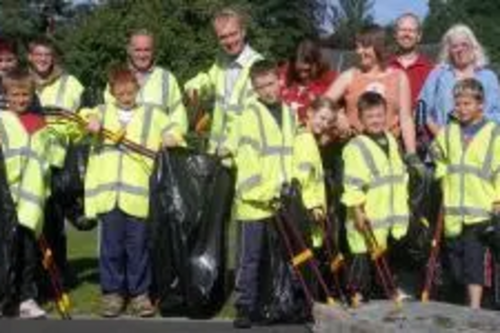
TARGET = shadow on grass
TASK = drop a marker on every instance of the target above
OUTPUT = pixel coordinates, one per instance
(83, 271)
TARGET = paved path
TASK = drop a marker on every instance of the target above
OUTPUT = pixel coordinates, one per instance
(82, 325)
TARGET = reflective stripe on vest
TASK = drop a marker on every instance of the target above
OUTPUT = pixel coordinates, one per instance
(379, 181)
(62, 90)
(485, 173)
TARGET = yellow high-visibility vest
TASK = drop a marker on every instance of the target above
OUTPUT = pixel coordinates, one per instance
(469, 175)
(65, 92)
(116, 176)
(161, 90)
(229, 102)
(263, 159)
(27, 169)
(378, 182)
(308, 170)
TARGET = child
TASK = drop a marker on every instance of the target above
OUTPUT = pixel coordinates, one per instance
(375, 189)
(22, 139)
(264, 162)
(117, 191)
(8, 62)
(308, 167)
(467, 154)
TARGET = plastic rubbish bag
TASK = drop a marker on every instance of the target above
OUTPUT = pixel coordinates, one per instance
(68, 187)
(191, 198)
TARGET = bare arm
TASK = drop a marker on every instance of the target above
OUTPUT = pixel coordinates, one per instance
(338, 88)
(406, 121)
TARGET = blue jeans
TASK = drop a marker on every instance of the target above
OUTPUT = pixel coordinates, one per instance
(124, 264)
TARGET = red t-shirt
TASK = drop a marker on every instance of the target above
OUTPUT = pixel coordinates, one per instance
(299, 97)
(417, 74)
(32, 122)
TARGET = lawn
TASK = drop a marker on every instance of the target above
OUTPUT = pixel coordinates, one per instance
(82, 252)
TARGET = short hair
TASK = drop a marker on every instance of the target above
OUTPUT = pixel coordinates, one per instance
(121, 74)
(373, 35)
(19, 78)
(369, 100)
(322, 102)
(44, 41)
(8, 46)
(480, 57)
(409, 15)
(262, 67)
(141, 32)
(469, 87)
(231, 13)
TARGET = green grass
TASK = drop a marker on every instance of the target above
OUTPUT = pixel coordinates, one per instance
(85, 296)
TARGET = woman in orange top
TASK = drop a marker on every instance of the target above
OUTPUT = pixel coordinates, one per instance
(372, 74)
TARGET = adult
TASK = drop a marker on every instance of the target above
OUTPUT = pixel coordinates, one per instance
(461, 57)
(227, 82)
(407, 35)
(54, 86)
(373, 74)
(158, 86)
(8, 61)
(305, 77)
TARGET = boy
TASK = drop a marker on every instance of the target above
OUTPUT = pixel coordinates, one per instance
(264, 162)
(375, 189)
(117, 191)
(8, 62)
(22, 139)
(467, 155)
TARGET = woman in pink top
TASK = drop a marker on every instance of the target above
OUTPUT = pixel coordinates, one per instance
(372, 74)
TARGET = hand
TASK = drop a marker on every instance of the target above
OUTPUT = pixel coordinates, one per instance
(415, 165)
(360, 224)
(94, 125)
(496, 208)
(342, 125)
(169, 141)
(318, 214)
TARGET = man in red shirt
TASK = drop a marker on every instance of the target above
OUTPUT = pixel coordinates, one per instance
(408, 34)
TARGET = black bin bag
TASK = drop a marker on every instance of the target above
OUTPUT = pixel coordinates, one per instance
(190, 207)
(8, 241)
(67, 185)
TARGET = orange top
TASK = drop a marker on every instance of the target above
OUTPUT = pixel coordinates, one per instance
(387, 84)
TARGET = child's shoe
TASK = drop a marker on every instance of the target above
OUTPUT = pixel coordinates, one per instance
(112, 305)
(142, 307)
(30, 309)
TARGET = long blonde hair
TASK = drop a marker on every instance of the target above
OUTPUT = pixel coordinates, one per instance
(462, 30)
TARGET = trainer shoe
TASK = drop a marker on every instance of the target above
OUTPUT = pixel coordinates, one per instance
(112, 305)
(30, 309)
(142, 307)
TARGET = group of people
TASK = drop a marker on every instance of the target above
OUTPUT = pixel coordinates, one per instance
(271, 124)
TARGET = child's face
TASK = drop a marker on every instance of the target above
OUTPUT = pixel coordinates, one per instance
(267, 87)
(125, 94)
(8, 62)
(41, 59)
(322, 120)
(468, 109)
(374, 119)
(19, 98)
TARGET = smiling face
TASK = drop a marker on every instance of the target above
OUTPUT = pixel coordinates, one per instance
(321, 120)
(374, 119)
(19, 97)
(367, 56)
(407, 33)
(141, 52)
(461, 51)
(230, 34)
(41, 59)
